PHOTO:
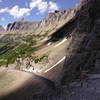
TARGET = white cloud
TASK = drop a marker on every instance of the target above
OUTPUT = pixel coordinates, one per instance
(41, 5)
(53, 6)
(3, 10)
(18, 12)
(34, 3)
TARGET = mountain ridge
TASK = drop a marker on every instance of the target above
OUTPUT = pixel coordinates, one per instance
(49, 22)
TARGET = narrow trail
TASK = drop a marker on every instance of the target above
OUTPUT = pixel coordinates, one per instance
(20, 85)
(87, 89)
(55, 64)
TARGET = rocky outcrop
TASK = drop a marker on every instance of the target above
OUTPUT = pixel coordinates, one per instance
(22, 25)
(58, 16)
(1, 28)
(84, 49)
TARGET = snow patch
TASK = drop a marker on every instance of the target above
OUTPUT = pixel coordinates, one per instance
(49, 43)
(56, 64)
(65, 39)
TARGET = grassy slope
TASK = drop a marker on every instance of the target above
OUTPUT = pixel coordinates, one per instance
(13, 48)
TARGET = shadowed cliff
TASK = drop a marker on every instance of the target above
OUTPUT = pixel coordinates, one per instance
(84, 51)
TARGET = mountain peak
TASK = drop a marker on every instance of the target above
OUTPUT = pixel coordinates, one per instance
(53, 19)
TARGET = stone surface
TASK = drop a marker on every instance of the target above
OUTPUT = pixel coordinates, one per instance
(20, 85)
(83, 90)
(22, 25)
(88, 89)
(83, 52)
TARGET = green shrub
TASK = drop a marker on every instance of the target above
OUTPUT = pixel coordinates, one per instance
(12, 54)
(41, 58)
(2, 63)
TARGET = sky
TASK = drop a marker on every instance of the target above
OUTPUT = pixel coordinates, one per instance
(32, 10)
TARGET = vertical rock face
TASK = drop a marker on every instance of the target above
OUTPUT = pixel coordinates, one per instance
(84, 49)
(1, 28)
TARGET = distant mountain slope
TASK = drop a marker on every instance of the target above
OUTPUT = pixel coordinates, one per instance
(22, 25)
(1, 28)
(52, 21)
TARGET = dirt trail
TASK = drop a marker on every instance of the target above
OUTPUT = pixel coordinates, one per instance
(18, 85)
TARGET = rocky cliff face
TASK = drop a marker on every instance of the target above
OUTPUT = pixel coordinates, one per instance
(1, 28)
(58, 16)
(83, 54)
(52, 20)
(22, 25)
